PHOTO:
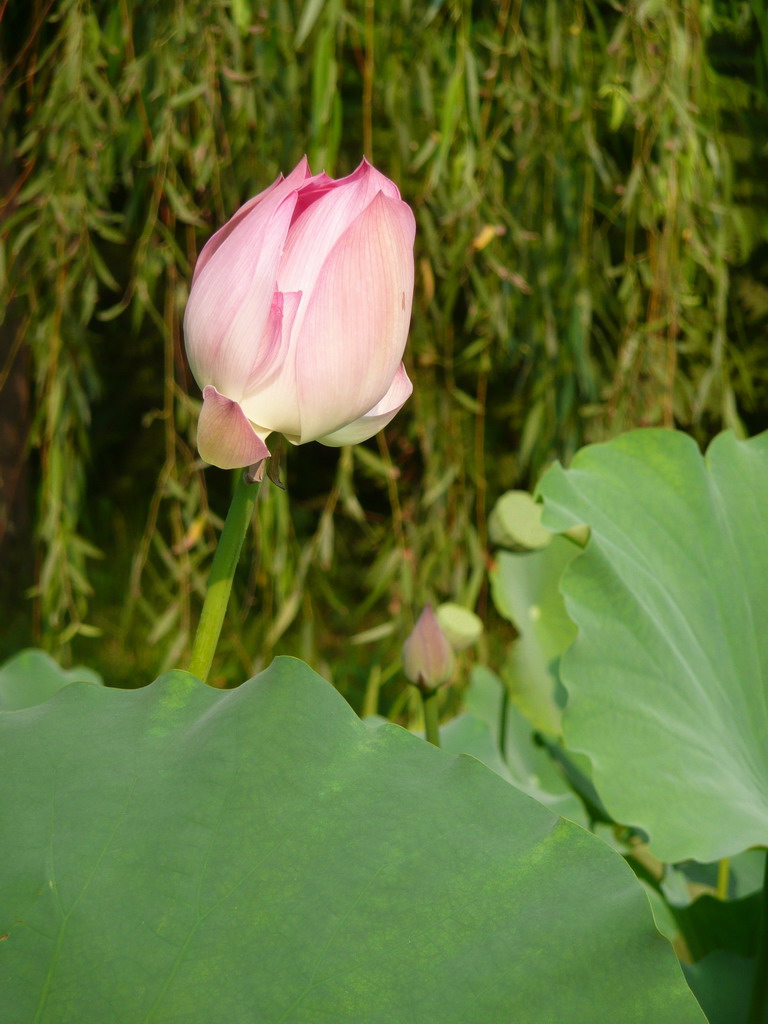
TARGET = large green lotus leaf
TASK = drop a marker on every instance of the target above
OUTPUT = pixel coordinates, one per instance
(668, 678)
(181, 855)
(526, 764)
(723, 983)
(31, 677)
(525, 589)
(709, 924)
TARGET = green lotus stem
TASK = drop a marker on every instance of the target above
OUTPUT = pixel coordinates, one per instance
(220, 581)
(758, 1005)
(723, 874)
(503, 720)
(431, 726)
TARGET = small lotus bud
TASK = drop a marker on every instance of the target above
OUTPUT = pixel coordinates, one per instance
(427, 655)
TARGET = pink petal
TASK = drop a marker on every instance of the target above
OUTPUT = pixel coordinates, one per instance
(271, 401)
(355, 326)
(378, 417)
(376, 181)
(365, 181)
(428, 657)
(333, 209)
(235, 279)
(298, 175)
(311, 190)
(227, 320)
(275, 349)
(225, 438)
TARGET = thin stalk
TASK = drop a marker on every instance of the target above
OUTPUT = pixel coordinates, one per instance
(503, 719)
(431, 726)
(371, 698)
(368, 81)
(220, 581)
(758, 1004)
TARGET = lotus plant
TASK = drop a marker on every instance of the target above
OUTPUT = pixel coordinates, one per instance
(296, 324)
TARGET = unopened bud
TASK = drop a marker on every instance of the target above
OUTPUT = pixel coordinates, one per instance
(427, 655)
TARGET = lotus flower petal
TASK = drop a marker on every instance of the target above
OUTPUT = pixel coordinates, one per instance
(271, 396)
(378, 182)
(225, 438)
(226, 323)
(278, 190)
(315, 230)
(355, 327)
(377, 417)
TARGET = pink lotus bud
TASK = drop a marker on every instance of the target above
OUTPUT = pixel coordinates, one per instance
(427, 655)
(298, 315)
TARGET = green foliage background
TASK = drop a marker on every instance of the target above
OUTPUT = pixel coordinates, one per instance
(590, 185)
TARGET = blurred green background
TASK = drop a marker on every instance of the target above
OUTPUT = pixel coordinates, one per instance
(590, 182)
